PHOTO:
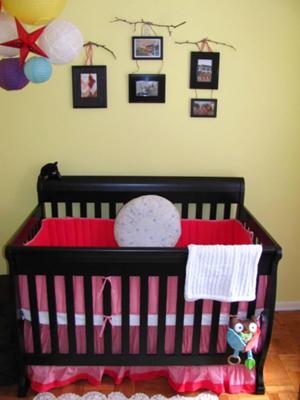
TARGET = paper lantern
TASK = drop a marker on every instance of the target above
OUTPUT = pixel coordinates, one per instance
(38, 69)
(61, 41)
(8, 31)
(12, 75)
(34, 12)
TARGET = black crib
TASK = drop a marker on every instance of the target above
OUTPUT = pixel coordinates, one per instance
(197, 197)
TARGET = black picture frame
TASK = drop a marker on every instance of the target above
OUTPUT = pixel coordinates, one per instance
(204, 108)
(147, 47)
(147, 88)
(89, 86)
(204, 70)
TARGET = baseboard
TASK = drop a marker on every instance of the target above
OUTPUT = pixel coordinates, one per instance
(287, 305)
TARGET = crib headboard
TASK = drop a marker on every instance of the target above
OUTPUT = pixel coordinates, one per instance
(113, 190)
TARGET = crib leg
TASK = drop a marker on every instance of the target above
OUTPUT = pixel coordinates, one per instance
(260, 386)
(23, 385)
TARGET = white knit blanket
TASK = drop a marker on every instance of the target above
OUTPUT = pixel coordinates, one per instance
(224, 273)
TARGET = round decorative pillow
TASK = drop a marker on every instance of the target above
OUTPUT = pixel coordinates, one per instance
(147, 221)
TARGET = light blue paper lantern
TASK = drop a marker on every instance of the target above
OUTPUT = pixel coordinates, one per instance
(38, 69)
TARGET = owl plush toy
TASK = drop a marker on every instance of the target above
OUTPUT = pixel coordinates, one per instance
(242, 336)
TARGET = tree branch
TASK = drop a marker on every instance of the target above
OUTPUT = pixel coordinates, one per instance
(206, 40)
(100, 45)
(143, 22)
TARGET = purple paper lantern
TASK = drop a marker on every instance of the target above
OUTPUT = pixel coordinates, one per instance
(12, 75)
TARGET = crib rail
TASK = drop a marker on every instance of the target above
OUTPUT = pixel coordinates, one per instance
(142, 263)
(125, 357)
(29, 259)
(102, 196)
(29, 228)
(129, 360)
(260, 235)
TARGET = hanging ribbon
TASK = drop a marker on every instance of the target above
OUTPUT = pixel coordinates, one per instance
(89, 54)
(106, 319)
(106, 279)
(204, 44)
(148, 26)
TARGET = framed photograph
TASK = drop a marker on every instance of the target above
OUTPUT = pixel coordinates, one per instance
(89, 86)
(204, 70)
(204, 108)
(147, 47)
(147, 88)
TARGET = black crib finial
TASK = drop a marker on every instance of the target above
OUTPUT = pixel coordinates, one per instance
(50, 171)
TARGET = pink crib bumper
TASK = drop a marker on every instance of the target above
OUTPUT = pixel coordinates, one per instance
(95, 232)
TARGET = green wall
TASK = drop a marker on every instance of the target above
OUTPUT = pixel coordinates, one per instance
(255, 135)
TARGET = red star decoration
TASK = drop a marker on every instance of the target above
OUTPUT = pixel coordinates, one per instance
(26, 42)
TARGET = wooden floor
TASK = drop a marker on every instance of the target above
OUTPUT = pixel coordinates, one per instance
(282, 371)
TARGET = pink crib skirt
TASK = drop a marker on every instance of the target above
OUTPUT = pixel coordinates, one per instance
(96, 232)
(219, 379)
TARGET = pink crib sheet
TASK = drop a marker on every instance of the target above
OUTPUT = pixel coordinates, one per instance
(84, 232)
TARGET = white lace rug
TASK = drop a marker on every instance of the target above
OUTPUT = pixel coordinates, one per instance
(121, 396)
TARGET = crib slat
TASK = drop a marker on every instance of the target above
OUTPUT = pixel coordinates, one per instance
(251, 308)
(179, 315)
(252, 304)
(143, 314)
(35, 323)
(227, 209)
(54, 209)
(197, 326)
(199, 210)
(213, 211)
(69, 210)
(125, 314)
(184, 210)
(234, 308)
(107, 312)
(112, 210)
(98, 211)
(83, 210)
(214, 330)
(88, 304)
(161, 329)
(43, 210)
(70, 313)
(52, 313)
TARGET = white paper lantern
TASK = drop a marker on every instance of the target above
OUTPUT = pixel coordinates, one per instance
(61, 41)
(8, 31)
